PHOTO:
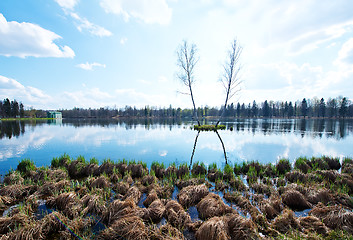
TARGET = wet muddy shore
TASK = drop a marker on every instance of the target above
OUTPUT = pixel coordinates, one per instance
(79, 199)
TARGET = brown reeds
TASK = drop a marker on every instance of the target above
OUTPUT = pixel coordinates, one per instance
(150, 198)
(313, 224)
(8, 224)
(100, 182)
(13, 178)
(106, 167)
(137, 170)
(93, 204)
(134, 194)
(153, 213)
(271, 208)
(67, 203)
(131, 227)
(48, 189)
(191, 195)
(334, 217)
(169, 232)
(322, 195)
(295, 200)
(212, 206)
(176, 215)
(213, 229)
(286, 222)
(118, 209)
(240, 228)
(295, 176)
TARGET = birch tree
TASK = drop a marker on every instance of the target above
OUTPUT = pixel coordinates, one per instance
(187, 59)
(231, 80)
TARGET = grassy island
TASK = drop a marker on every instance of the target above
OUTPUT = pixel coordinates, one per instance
(209, 127)
(80, 199)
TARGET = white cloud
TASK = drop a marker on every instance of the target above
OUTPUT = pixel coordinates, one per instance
(149, 11)
(90, 66)
(84, 24)
(345, 55)
(30, 96)
(27, 39)
(123, 40)
(67, 4)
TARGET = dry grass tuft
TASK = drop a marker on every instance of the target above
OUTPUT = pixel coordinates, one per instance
(212, 206)
(154, 212)
(13, 178)
(130, 227)
(67, 203)
(150, 198)
(134, 194)
(213, 229)
(334, 217)
(8, 224)
(240, 228)
(286, 222)
(322, 195)
(176, 215)
(169, 232)
(271, 208)
(118, 209)
(93, 204)
(295, 200)
(191, 195)
(101, 182)
(313, 224)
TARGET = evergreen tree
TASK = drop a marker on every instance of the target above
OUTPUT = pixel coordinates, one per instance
(343, 107)
(266, 109)
(322, 108)
(304, 108)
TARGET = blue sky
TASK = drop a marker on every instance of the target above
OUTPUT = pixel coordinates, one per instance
(110, 53)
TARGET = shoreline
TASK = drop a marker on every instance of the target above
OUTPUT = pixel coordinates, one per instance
(311, 199)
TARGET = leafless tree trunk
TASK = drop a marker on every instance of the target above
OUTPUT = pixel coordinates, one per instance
(224, 148)
(186, 61)
(231, 80)
(194, 148)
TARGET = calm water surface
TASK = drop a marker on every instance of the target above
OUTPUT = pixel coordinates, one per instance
(172, 141)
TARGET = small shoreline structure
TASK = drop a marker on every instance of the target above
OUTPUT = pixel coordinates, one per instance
(80, 199)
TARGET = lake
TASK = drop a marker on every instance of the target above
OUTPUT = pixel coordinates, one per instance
(167, 141)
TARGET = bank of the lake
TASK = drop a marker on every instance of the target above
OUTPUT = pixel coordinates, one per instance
(79, 199)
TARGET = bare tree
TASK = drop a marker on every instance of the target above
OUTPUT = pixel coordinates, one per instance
(231, 80)
(187, 59)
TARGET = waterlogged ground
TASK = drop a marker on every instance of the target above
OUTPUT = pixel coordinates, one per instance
(76, 199)
(170, 141)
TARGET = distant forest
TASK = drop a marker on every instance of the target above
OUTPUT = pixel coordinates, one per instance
(339, 107)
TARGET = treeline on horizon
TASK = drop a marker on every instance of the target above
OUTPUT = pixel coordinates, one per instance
(339, 107)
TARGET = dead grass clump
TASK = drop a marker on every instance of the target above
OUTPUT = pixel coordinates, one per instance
(130, 227)
(134, 194)
(29, 232)
(295, 176)
(106, 167)
(333, 163)
(8, 224)
(119, 209)
(137, 170)
(181, 183)
(150, 198)
(321, 195)
(191, 195)
(122, 168)
(100, 182)
(176, 215)
(4, 202)
(75, 169)
(67, 203)
(212, 206)
(295, 200)
(261, 188)
(93, 204)
(148, 180)
(89, 169)
(239, 200)
(214, 174)
(171, 171)
(114, 178)
(286, 222)
(183, 171)
(121, 188)
(328, 175)
(48, 189)
(128, 179)
(313, 224)
(15, 191)
(347, 168)
(154, 212)
(271, 208)
(334, 217)
(13, 178)
(240, 228)
(213, 229)
(51, 224)
(198, 170)
(237, 184)
(169, 232)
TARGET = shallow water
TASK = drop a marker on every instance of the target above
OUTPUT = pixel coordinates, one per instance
(172, 141)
